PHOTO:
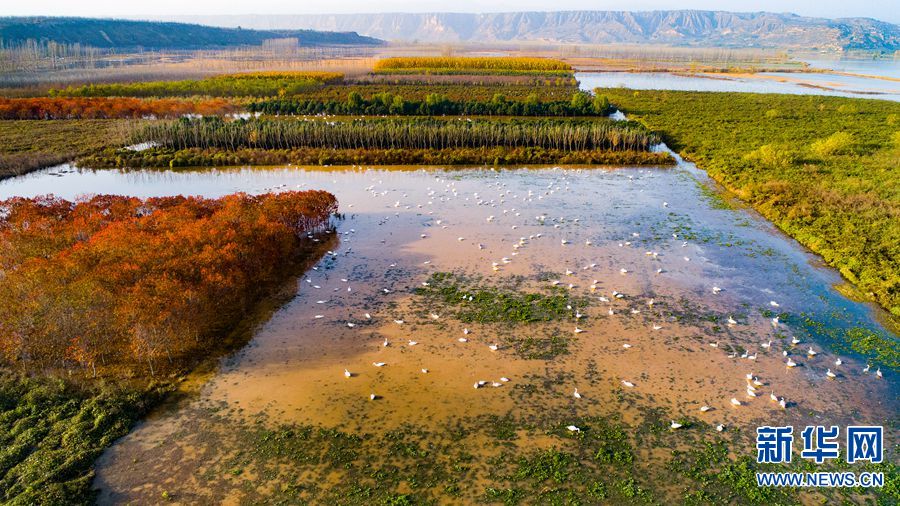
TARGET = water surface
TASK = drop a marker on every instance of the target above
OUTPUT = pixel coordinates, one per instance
(767, 82)
(661, 237)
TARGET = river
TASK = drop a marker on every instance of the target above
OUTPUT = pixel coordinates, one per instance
(876, 79)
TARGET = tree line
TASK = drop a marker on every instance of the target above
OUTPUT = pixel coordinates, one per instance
(418, 133)
(472, 65)
(385, 103)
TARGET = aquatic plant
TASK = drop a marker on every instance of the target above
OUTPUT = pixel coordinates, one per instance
(484, 304)
(51, 432)
(495, 156)
(395, 134)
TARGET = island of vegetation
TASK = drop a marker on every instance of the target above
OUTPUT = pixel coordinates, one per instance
(116, 297)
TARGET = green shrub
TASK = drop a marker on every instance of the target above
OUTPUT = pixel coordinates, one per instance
(772, 156)
(838, 143)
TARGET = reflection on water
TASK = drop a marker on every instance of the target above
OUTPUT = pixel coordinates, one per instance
(658, 236)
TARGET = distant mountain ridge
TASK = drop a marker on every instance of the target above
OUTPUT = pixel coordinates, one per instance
(129, 34)
(669, 27)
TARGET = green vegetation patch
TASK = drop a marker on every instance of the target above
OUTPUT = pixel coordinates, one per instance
(32, 144)
(482, 304)
(539, 347)
(880, 348)
(495, 156)
(823, 169)
(581, 103)
(469, 460)
(473, 66)
(262, 84)
(406, 133)
(51, 433)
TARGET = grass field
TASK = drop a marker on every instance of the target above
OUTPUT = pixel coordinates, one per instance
(32, 144)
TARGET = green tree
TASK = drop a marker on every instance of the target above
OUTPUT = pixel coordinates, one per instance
(601, 104)
(436, 103)
(581, 103)
(354, 101)
(397, 105)
(532, 103)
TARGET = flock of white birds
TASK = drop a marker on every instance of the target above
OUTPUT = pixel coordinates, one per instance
(501, 208)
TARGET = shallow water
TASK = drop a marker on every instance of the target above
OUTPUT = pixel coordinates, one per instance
(885, 67)
(675, 237)
(774, 82)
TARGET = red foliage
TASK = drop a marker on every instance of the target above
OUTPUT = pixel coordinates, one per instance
(105, 108)
(123, 281)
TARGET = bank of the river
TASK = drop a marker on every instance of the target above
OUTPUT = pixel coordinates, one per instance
(818, 83)
(823, 169)
(27, 145)
(161, 157)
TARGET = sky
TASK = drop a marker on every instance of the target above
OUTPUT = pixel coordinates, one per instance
(885, 10)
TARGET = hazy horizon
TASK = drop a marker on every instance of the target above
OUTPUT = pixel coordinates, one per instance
(882, 10)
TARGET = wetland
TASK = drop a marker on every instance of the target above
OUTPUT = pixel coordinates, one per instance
(540, 276)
